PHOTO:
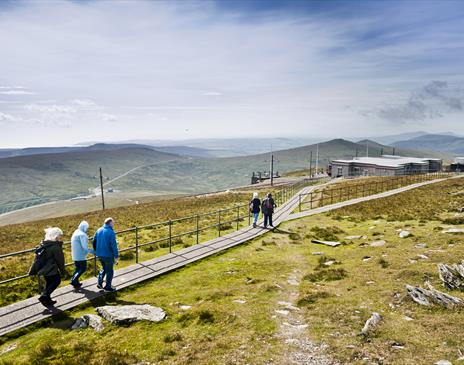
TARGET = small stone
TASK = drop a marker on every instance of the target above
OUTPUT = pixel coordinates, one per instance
(318, 253)
(370, 282)
(454, 231)
(282, 312)
(353, 237)
(423, 257)
(8, 348)
(185, 307)
(350, 346)
(366, 258)
(378, 243)
(443, 362)
(88, 320)
(329, 263)
(404, 234)
(406, 318)
(371, 323)
(421, 245)
(239, 301)
(293, 282)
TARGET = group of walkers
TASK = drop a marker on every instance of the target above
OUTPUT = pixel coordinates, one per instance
(50, 263)
(266, 206)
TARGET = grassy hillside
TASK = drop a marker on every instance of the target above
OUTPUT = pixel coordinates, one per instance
(40, 178)
(243, 301)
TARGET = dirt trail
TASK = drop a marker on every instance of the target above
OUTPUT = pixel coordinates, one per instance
(294, 331)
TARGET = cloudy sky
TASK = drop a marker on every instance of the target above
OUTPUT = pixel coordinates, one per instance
(74, 71)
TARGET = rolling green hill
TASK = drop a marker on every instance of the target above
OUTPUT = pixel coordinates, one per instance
(40, 178)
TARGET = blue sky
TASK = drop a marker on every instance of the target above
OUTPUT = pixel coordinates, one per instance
(74, 71)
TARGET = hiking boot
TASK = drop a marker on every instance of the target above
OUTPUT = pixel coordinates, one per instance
(76, 285)
(47, 302)
(254, 225)
(99, 286)
(111, 289)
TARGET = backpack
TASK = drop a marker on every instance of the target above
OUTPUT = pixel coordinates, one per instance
(267, 204)
(40, 260)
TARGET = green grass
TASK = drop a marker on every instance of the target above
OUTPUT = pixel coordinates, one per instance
(335, 300)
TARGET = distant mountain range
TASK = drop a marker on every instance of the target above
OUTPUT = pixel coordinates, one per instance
(63, 174)
(434, 142)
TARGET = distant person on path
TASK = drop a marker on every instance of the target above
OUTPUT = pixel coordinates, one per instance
(106, 248)
(255, 205)
(268, 209)
(79, 252)
(51, 264)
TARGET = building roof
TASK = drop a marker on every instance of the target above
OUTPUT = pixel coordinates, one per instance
(387, 161)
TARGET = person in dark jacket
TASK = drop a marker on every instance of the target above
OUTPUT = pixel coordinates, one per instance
(53, 267)
(255, 205)
(106, 249)
(268, 207)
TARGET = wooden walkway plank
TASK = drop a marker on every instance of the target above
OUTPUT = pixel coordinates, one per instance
(26, 312)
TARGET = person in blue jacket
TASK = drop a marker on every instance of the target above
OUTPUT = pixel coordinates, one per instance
(106, 249)
(79, 252)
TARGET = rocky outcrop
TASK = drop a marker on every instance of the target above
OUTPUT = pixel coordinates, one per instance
(452, 275)
(125, 314)
(432, 296)
(371, 324)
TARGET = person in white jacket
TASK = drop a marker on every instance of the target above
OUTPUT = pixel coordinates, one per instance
(79, 252)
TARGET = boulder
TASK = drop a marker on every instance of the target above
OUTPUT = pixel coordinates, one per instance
(431, 296)
(452, 276)
(327, 243)
(125, 314)
(88, 320)
(371, 323)
(421, 245)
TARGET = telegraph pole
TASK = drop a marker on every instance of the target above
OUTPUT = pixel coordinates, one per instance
(101, 188)
(311, 164)
(317, 158)
(272, 170)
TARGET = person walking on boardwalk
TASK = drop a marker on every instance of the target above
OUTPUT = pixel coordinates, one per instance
(79, 252)
(50, 263)
(255, 205)
(268, 207)
(106, 249)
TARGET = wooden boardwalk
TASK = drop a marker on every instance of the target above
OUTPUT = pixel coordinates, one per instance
(26, 312)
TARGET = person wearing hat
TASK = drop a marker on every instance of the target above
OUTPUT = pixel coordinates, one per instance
(268, 207)
(255, 205)
(106, 249)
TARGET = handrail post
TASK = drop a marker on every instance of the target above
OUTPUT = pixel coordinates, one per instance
(219, 223)
(170, 236)
(238, 215)
(249, 216)
(299, 201)
(311, 204)
(198, 226)
(95, 264)
(136, 245)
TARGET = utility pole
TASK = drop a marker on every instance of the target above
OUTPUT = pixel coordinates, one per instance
(311, 164)
(317, 158)
(101, 188)
(367, 149)
(272, 170)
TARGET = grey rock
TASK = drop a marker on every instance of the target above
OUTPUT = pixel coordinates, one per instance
(125, 314)
(404, 234)
(371, 323)
(378, 243)
(454, 230)
(443, 362)
(421, 245)
(88, 320)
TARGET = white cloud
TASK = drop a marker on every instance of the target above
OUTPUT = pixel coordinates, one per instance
(8, 118)
(109, 117)
(84, 102)
(54, 108)
(212, 93)
(17, 92)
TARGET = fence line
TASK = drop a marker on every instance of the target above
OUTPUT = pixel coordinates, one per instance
(333, 194)
(225, 218)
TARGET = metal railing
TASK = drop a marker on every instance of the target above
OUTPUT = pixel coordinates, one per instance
(332, 194)
(219, 220)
